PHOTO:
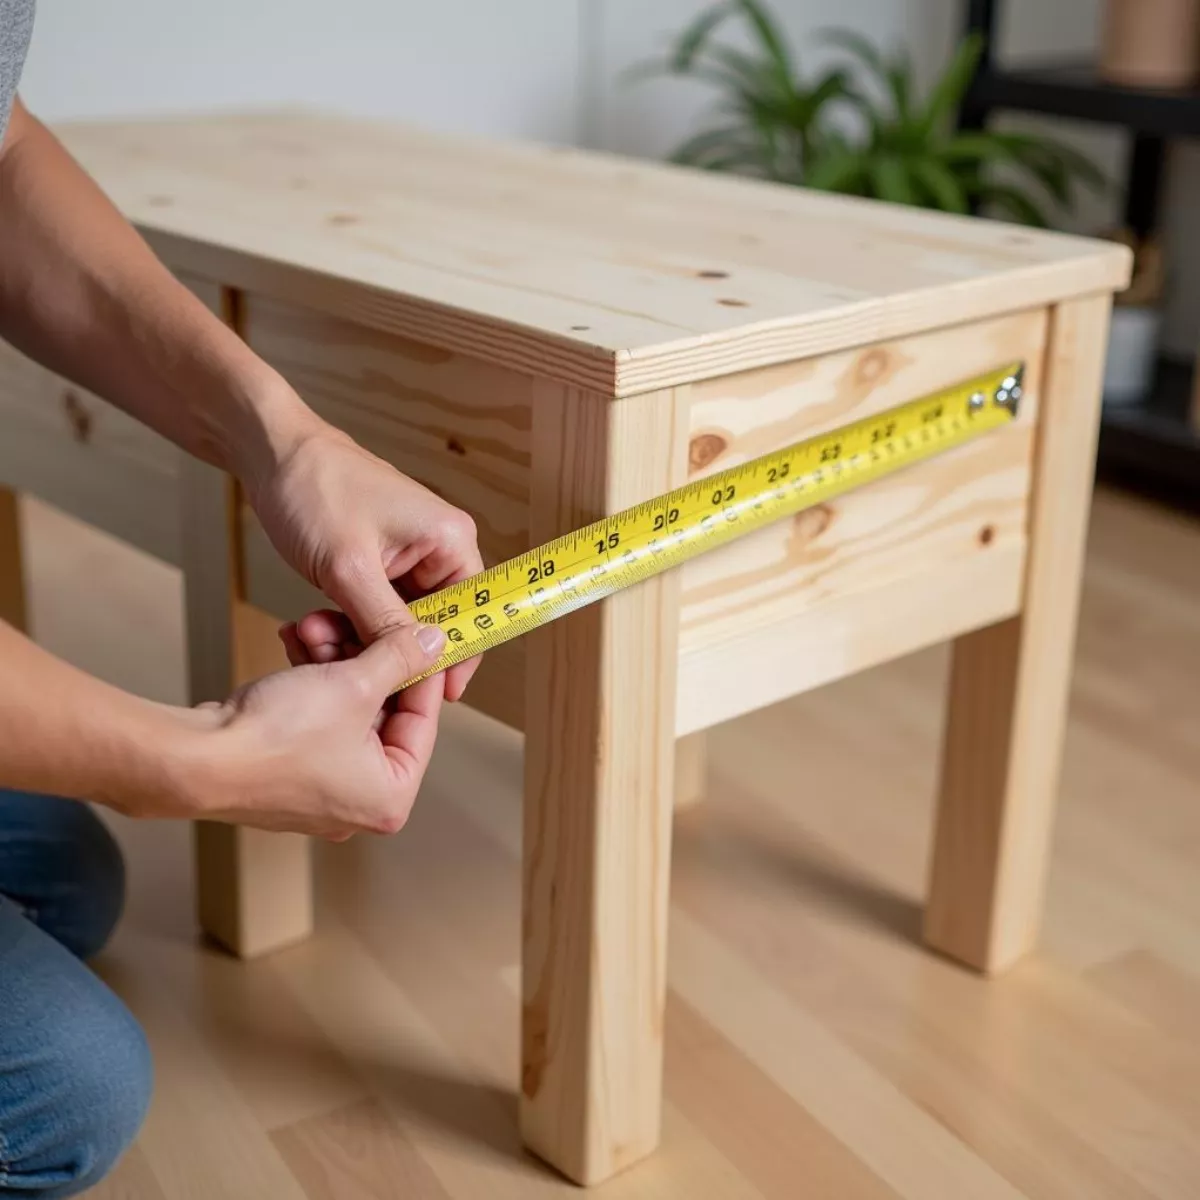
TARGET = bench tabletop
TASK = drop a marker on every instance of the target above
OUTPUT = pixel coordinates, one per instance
(595, 270)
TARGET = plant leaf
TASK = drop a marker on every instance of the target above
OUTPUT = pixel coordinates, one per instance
(693, 38)
(899, 77)
(702, 71)
(975, 148)
(833, 86)
(947, 96)
(769, 34)
(756, 76)
(1056, 167)
(1015, 202)
(939, 181)
(862, 48)
(1000, 146)
(1076, 164)
(890, 180)
(879, 127)
(1051, 172)
(695, 149)
(837, 170)
(741, 162)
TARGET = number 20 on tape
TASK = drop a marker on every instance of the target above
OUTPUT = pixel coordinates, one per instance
(616, 552)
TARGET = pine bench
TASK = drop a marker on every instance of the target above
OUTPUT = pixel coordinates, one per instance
(544, 336)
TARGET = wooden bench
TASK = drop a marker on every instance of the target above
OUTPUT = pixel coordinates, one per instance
(544, 336)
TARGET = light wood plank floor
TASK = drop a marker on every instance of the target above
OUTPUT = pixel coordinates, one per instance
(813, 1050)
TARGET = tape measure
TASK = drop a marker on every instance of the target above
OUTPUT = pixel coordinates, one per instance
(543, 584)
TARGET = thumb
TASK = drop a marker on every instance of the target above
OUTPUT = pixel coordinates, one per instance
(396, 658)
(365, 594)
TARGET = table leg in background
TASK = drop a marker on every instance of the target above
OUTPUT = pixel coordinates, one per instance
(1010, 682)
(12, 572)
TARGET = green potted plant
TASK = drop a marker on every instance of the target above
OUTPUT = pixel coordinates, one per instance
(770, 119)
(859, 127)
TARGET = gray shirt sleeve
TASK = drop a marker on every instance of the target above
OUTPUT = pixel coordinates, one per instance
(16, 26)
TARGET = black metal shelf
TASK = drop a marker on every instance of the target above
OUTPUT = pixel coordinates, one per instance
(1073, 89)
(1151, 448)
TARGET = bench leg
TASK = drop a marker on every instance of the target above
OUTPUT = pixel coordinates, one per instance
(691, 770)
(599, 757)
(12, 571)
(1009, 685)
(253, 889)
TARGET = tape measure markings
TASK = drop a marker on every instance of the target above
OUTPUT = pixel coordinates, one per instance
(547, 582)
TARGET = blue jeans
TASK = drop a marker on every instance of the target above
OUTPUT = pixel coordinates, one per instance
(75, 1074)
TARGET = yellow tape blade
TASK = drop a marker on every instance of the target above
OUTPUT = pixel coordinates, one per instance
(618, 551)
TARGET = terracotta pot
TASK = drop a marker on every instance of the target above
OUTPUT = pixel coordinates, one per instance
(1151, 43)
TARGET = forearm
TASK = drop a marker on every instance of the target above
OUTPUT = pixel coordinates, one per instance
(81, 292)
(66, 733)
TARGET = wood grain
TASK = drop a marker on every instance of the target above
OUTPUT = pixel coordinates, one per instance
(457, 424)
(599, 757)
(1072, 1081)
(257, 1034)
(357, 1153)
(862, 629)
(518, 255)
(906, 1147)
(989, 1060)
(1009, 685)
(88, 458)
(12, 569)
(199, 1125)
(913, 538)
(253, 889)
(715, 1083)
(1148, 984)
(131, 1179)
(942, 544)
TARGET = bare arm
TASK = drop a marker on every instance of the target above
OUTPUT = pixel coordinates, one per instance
(81, 292)
(70, 734)
(309, 749)
(304, 750)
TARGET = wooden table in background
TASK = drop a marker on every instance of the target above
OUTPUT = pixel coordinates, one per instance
(545, 336)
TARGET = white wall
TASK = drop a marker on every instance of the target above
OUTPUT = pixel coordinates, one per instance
(544, 69)
(497, 67)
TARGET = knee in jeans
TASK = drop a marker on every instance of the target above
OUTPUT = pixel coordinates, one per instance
(97, 870)
(77, 887)
(96, 1088)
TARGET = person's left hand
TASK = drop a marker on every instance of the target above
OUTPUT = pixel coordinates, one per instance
(367, 536)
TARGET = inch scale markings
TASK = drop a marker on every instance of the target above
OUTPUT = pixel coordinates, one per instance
(616, 552)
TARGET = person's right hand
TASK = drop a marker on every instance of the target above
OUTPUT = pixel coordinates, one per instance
(320, 749)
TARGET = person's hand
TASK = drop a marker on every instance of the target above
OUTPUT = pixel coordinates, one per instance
(320, 749)
(367, 536)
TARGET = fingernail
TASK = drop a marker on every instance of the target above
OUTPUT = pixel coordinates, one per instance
(430, 638)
